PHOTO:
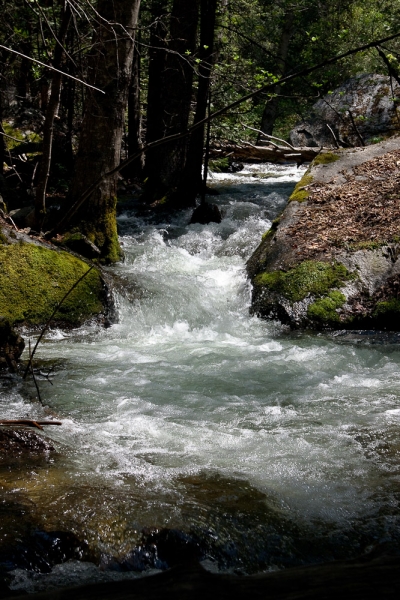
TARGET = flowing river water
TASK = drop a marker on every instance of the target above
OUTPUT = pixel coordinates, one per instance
(260, 447)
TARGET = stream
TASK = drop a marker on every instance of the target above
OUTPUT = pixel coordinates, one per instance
(191, 426)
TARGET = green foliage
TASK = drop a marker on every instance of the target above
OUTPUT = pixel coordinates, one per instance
(308, 278)
(219, 165)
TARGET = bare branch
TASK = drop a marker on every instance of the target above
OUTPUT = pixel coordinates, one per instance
(270, 137)
(51, 318)
(51, 68)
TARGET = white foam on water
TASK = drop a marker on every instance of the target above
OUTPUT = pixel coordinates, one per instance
(187, 382)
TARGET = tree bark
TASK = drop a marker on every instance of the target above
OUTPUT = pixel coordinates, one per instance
(135, 170)
(191, 183)
(157, 61)
(164, 165)
(102, 127)
(48, 128)
(271, 107)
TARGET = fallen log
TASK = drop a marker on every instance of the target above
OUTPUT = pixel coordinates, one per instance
(272, 153)
(29, 422)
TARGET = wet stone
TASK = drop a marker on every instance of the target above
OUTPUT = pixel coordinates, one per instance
(14, 442)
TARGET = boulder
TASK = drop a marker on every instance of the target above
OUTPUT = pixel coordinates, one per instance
(332, 259)
(364, 110)
(35, 276)
(17, 441)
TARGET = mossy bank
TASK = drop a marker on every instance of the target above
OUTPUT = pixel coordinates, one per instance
(323, 263)
(34, 279)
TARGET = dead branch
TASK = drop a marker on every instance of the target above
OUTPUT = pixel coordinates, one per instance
(270, 137)
(29, 422)
(277, 154)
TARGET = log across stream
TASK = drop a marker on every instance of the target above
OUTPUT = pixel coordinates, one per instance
(191, 427)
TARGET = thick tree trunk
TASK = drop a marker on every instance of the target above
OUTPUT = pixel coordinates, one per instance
(164, 165)
(271, 107)
(102, 127)
(48, 128)
(191, 183)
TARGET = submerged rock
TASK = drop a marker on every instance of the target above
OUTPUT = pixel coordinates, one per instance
(206, 213)
(364, 110)
(332, 258)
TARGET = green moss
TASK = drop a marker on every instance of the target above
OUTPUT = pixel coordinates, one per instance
(370, 245)
(309, 277)
(385, 307)
(324, 309)
(325, 158)
(102, 231)
(299, 193)
(272, 229)
(34, 279)
(3, 239)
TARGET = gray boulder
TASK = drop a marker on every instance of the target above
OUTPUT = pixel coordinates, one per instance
(364, 110)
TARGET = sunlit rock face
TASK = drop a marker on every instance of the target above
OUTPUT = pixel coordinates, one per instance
(364, 110)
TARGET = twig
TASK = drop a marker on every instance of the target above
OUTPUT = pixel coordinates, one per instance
(8, 218)
(356, 128)
(333, 135)
(51, 318)
(29, 422)
(51, 68)
(270, 137)
(33, 374)
(10, 137)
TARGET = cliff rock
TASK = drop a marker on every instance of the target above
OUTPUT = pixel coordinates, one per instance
(364, 110)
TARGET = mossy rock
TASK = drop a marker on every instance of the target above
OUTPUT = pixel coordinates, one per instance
(34, 279)
(325, 158)
(307, 278)
(300, 194)
(324, 310)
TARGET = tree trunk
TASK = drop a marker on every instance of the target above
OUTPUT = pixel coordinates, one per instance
(157, 60)
(102, 127)
(164, 165)
(191, 183)
(48, 128)
(135, 169)
(271, 107)
(2, 140)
